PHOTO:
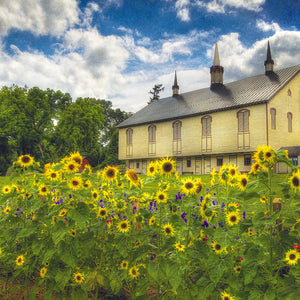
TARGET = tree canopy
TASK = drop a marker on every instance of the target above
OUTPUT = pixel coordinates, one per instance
(48, 125)
(155, 92)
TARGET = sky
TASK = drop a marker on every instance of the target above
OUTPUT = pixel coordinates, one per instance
(118, 50)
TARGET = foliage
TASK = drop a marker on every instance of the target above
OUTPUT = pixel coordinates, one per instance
(81, 234)
(155, 93)
(49, 125)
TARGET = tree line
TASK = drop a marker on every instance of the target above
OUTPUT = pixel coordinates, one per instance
(48, 125)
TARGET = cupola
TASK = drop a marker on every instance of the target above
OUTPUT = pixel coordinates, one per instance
(175, 86)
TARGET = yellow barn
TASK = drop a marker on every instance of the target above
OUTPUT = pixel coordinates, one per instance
(223, 123)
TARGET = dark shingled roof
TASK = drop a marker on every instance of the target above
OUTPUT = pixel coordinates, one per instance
(250, 91)
(293, 150)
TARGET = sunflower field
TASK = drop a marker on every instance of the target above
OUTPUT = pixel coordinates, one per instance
(107, 236)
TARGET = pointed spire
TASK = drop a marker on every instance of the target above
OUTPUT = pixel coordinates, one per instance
(216, 58)
(175, 86)
(216, 70)
(269, 61)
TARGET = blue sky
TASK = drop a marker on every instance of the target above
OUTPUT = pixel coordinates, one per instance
(119, 49)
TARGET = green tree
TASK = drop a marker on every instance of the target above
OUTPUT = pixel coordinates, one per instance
(155, 93)
(27, 116)
(79, 126)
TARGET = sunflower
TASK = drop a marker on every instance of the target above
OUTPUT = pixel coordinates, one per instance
(233, 218)
(102, 213)
(213, 174)
(255, 168)
(43, 190)
(73, 233)
(232, 171)
(243, 181)
(226, 296)
(43, 272)
(199, 185)
(292, 257)
(161, 197)
(110, 173)
(134, 272)
(152, 220)
(52, 175)
(237, 269)
(87, 184)
(25, 160)
(268, 154)
(6, 189)
(168, 230)
(123, 226)
(20, 260)
(294, 180)
(179, 247)
(137, 244)
(263, 199)
(95, 195)
(71, 167)
(6, 210)
(76, 157)
(152, 169)
(75, 183)
(189, 187)
(217, 248)
(124, 264)
(78, 277)
(258, 156)
(62, 212)
(167, 166)
(132, 177)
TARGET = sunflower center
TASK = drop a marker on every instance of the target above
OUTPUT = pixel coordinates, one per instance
(161, 197)
(244, 182)
(189, 185)
(123, 225)
(217, 247)
(53, 175)
(292, 256)
(103, 212)
(238, 269)
(168, 230)
(133, 176)
(78, 278)
(232, 172)
(19, 260)
(295, 181)
(77, 159)
(110, 173)
(75, 182)
(25, 159)
(256, 167)
(44, 189)
(226, 298)
(199, 188)
(268, 154)
(71, 167)
(167, 167)
(151, 169)
(133, 272)
(233, 219)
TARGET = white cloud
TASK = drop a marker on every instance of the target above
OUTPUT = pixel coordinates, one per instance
(182, 10)
(220, 6)
(267, 27)
(41, 17)
(240, 62)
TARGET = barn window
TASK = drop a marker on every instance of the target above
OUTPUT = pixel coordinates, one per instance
(290, 125)
(206, 133)
(273, 118)
(129, 133)
(177, 137)
(152, 140)
(243, 128)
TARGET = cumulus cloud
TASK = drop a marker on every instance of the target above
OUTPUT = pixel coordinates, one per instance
(220, 6)
(41, 17)
(182, 7)
(261, 24)
(240, 62)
